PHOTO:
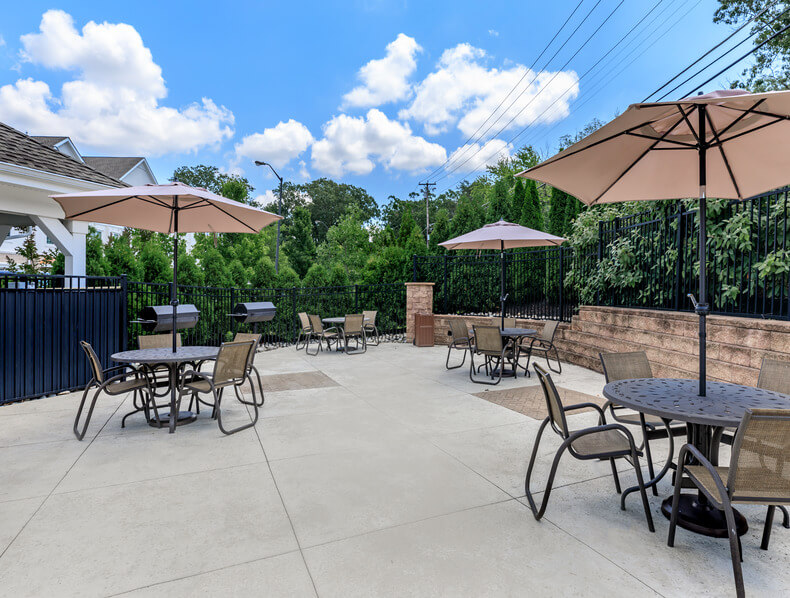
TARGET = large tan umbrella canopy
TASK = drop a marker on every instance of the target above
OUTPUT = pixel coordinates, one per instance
(169, 208)
(727, 144)
(502, 235)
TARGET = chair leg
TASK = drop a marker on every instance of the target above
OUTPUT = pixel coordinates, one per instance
(640, 481)
(447, 361)
(735, 551)
(253, 404)
(615, 476)
(769, 521)
(673, 518)
(557, 356)
(81, 434)
(307, 345)
(260, 385)
(785, 517)
(538, 513)
(648, 455)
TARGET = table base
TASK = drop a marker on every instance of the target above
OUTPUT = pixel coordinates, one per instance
(184, 418)
(703, 518)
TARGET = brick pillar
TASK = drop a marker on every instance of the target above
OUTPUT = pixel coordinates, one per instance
(419, 300)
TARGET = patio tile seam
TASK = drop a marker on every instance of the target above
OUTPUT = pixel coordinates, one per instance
(154, 479)
(282, 502)
(215, 570)
(51, 492)
(410, 522)
(623, 569)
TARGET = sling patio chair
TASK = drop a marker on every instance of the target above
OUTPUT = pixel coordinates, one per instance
(542, 343)
(353, 328)
(230, 369)
(604, 441)
(133, 379)
(256, 338)
(758, 474)
(496, 353)
(371, 330)
(626, 366)
(304, 330)
(320, 334)
(459, 341)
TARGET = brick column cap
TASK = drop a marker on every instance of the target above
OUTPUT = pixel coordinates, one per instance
(416, 284)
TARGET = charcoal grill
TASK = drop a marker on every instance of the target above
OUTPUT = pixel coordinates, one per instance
(253, 312)
(159, 318)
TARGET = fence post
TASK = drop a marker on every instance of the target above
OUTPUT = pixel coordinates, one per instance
(294, 317)
(356, 298)
(679, 244)
(235, 325)
(444, 286)
(414, 268)
(600, 259)
(616, 238)
(124, 313)
(562, 281)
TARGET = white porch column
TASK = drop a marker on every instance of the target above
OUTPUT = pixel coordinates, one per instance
(69, 238)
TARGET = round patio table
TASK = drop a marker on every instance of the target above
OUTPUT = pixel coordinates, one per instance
(706, 418)
(166, 357)
(339, 321)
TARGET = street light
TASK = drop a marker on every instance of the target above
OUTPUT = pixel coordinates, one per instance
(279, 213)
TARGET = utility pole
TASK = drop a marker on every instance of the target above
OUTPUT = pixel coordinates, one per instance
(427, 190)
(279, 213)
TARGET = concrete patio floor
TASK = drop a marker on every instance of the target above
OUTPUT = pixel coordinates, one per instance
(388, 479)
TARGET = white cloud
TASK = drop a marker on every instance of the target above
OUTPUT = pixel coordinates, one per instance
(493, 33)
(471, 158)
(266, 198)
(277, 145)
(357, 144)
(386, 79)
(113, 102)
(463, 92)
(2, 41)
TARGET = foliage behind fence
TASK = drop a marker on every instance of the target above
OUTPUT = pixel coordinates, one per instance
(648, 259)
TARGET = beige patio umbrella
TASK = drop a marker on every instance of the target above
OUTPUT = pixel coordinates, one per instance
(502, 235)
(728, 144)
(169, 208)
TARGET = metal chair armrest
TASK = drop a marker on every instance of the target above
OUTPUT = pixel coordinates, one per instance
(604, 428)
(195, 374)
(587, 406)
(703, 460)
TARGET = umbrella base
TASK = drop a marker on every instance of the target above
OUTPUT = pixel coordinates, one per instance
(163, 421)
(702, 518)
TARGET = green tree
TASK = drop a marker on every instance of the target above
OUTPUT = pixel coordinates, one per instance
(287, 277)
(299, 244)
(329, 201)
(215, 268)
(155, 263)
(338, 277)
(210, 177)
(407, 227)
(95, 264)
(264, 275)
(189, 273)
(32, 258)
(347, 243)
(440, 230)
(316, 276)
(557, 212)
(532, 212)
(498, 201)
(770, 69)
(121, 258)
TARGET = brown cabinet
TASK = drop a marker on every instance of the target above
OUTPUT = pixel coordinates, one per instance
(423, 330)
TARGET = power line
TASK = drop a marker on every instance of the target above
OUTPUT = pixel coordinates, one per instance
(507, 124)
(427, 190)
(724, 41)
(534, 62)
(591, 68)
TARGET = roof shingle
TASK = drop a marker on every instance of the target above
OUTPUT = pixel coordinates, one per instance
(114, 166)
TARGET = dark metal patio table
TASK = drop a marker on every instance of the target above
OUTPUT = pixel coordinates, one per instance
(706, 418)
(166, 357)
(515, 334)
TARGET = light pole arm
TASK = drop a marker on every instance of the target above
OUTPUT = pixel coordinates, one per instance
(279, 213)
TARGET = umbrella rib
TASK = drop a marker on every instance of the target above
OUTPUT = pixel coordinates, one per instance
(744, 114)
(112, 203)
(762, 126)
(232, 216)
(721, 151)
(653, 138)
(599, 142)
(635, 162)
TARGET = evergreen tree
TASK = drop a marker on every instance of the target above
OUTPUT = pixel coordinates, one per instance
(440, 231)
(214, 268)
(407, 227)
(557, 211)
(338, 277)
(120, 257)
(519, 199)
(498, 202)
(532, 212)
(316, 276)
(95, 265)
(299, 245)
(464, 217)
(287, 278)
(189, 273)
(572, 209)
(155, 263)
(264, 275)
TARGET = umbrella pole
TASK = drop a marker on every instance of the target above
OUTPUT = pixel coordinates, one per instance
(702, 307)
(502, 283)
(174, 287)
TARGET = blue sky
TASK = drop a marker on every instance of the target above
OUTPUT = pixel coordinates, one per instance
(188, 83)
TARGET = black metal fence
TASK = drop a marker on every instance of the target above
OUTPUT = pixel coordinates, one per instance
(648, 259)
(43, 318)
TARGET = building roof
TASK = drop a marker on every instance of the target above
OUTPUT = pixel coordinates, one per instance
(48, 140)
(114, 166)
(23, 150)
